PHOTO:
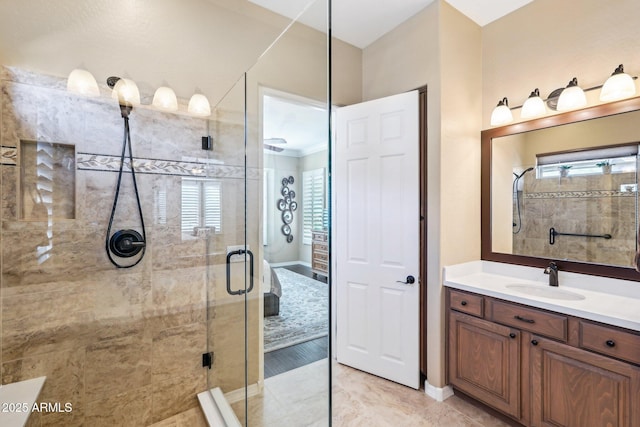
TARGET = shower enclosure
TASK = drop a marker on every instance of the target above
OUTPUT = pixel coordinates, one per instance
(135, 346)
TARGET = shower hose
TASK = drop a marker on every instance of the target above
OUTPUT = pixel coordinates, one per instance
(125, 243)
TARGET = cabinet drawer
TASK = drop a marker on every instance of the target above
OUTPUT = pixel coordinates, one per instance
(609, 341)
(528, 319)
(319, 247)
(467, 303)
(320, 266)
(318, 236)
(320, 256)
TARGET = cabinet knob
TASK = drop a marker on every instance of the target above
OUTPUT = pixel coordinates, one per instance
(534, 342)
(463, 303)
(610, 343)
(512, 335)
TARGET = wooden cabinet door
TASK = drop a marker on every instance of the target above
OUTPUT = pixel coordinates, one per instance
(576, 388)
(484, 361)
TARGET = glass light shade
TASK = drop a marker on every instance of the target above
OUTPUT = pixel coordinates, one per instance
(572, 97)
(83, 83)
(501, 114)
(533, 106)
(126, 92)
(618, 86)
(199, 105)
(165, 99)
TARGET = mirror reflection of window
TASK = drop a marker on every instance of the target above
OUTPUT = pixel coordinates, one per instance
(597, 161)
(201, 206)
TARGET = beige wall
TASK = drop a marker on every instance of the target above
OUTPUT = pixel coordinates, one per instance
(547, 42)
(277, 249)
(439, 47)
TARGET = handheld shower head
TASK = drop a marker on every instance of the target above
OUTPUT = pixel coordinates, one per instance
(522, 174)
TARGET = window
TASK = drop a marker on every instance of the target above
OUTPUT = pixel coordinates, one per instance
(313, 202)
(201, 205)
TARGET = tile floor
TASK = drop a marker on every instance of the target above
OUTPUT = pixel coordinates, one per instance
(298, 398)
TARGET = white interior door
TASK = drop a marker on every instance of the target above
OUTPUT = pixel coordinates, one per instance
(376, 235)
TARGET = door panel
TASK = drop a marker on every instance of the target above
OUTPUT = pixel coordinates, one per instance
(376, 183)
(576, 388)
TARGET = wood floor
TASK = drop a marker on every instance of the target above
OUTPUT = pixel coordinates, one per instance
(285, 359)
(288, 358)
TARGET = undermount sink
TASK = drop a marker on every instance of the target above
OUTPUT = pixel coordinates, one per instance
(545, 291)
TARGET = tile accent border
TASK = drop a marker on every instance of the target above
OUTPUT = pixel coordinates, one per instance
(198, 168)
(579, 194)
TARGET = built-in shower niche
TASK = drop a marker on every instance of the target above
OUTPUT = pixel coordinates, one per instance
(47, 181)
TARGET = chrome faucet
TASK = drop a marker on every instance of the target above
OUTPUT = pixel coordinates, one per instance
(552, 271)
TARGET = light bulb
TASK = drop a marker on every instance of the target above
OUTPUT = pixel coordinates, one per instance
(83, 83)
(126, 92)
(501, 114)
(533, 106)
(619, 86)
(572, 97)
(165, 99)
(199, 105)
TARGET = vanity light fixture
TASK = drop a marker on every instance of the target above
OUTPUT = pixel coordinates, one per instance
(199, 105)
(165, 99)
(501, 114)
(126, 92)
(572, 97)
(533, 106)
(619, 86)
(82, 82)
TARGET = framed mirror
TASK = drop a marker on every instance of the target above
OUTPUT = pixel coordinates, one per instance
(564, 188)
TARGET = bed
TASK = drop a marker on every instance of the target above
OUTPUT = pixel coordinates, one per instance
(272, 290)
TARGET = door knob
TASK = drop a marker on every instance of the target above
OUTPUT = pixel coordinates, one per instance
(410, 280)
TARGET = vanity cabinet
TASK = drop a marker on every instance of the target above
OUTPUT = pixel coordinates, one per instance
(576, 388)
(483, 357)
(541, 368)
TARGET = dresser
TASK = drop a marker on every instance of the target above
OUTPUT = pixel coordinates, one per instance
(319, 253)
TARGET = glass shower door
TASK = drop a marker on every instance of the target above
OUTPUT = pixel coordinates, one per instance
(235, 250)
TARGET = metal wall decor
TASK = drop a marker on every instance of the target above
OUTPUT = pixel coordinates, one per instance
(287, 206)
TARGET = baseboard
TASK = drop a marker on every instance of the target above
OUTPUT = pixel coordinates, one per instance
(438, 393)
(288, 263)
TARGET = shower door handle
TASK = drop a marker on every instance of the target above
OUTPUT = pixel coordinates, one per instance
(239, 291)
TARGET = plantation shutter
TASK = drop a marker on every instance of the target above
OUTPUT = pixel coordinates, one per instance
(212, 206)
(190, 206)
(201, 205)
(313, 202)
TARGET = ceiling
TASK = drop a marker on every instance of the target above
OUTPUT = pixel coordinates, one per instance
(295, 120)
(361, 22)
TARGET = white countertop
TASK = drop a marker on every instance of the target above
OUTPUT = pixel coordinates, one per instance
(16, 401)
(612, 301)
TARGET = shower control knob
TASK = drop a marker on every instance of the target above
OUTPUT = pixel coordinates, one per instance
(126, 243)
(410, 280)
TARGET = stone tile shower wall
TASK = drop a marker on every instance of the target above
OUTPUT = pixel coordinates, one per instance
(123, 346)
(593, 204)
